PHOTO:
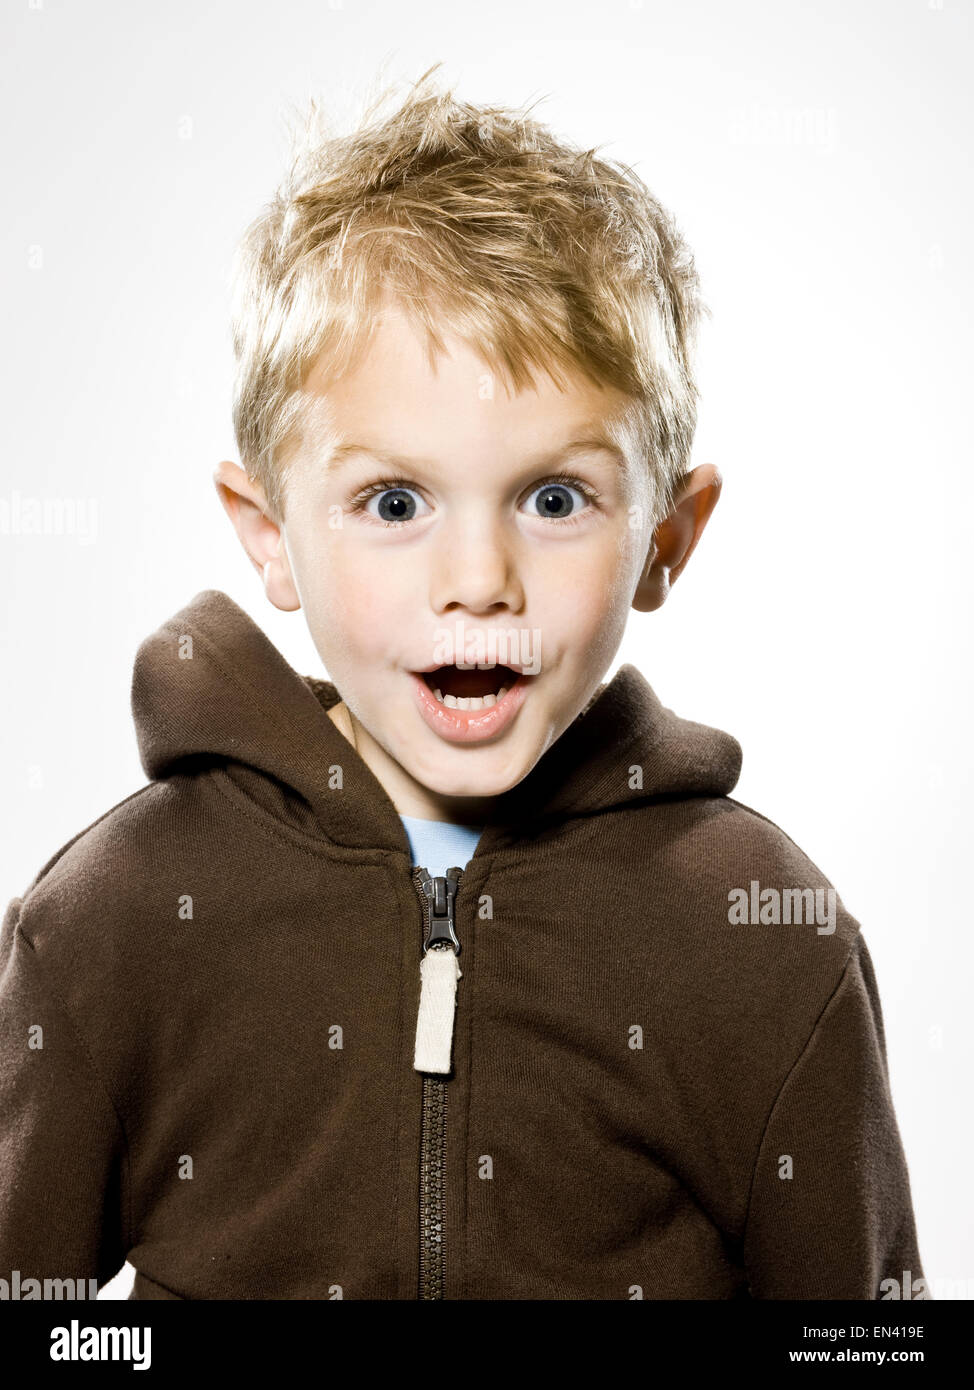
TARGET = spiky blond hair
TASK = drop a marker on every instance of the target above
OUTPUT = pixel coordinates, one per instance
(475, 219)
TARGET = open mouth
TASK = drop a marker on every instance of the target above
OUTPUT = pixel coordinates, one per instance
(478, 688)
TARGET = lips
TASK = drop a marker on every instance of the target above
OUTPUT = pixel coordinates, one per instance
(493, 711)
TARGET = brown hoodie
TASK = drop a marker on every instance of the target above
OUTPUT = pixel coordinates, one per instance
(208, 1009)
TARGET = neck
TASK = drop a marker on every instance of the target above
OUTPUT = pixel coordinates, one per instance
(409, 797)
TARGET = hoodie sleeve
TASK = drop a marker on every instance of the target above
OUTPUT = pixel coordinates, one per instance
(62, 1149)
(830, 1214)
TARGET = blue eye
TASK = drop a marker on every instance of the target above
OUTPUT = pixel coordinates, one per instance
(394, 504)
(557, 500)
(393, 501)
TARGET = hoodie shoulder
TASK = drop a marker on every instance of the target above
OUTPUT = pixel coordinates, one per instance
(749, 911)
(759, 841)
(757, 874)
(62, 861)
(111, 868)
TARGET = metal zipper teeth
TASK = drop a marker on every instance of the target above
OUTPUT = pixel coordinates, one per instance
(431, 1188)
(432, 1162)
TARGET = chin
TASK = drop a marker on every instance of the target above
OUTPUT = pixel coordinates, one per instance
(474, 785)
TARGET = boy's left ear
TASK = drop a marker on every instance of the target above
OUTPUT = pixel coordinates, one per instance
(260, 535)
(675, 538)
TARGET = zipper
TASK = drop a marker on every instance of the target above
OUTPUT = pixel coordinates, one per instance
(437, 897)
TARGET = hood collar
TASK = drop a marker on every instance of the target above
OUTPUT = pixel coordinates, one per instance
(229, 695)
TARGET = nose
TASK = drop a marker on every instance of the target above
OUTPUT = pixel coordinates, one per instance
(474, 566)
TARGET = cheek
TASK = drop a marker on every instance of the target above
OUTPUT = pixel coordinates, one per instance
(351, 602)
(586, 593)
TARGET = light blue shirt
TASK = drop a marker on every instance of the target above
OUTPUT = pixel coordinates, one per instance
(437, 845)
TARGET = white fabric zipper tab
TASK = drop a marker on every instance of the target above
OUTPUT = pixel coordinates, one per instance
(439, 971)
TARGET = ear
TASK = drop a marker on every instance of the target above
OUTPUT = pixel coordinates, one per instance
(260, 535)
(675, 538)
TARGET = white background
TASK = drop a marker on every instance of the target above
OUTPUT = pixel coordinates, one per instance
(817, 158)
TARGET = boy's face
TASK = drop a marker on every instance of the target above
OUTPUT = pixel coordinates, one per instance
(483, 530)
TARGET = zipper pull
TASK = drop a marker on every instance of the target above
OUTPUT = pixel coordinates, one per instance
(439, 972)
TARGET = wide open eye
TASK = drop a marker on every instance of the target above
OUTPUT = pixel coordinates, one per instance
(554, 501)
(394, 504)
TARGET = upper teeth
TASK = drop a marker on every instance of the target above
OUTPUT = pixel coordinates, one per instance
(470, 701)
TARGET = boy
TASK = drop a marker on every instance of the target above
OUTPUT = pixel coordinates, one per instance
(459, 975)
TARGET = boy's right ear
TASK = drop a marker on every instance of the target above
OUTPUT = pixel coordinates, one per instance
(246, 506)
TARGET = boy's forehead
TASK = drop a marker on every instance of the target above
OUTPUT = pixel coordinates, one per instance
(338, 437)
(398, 407)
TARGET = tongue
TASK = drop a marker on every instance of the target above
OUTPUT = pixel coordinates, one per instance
(451, 681)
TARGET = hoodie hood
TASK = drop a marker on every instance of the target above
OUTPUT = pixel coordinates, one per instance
(209, 687)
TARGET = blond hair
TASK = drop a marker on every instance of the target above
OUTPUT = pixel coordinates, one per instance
(476, 219)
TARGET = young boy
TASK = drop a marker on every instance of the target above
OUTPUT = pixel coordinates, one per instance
(459, 975)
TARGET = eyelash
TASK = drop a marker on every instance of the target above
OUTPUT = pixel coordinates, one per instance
(358, 503)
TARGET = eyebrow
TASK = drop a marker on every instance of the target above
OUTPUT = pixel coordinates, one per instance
(595, 443)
